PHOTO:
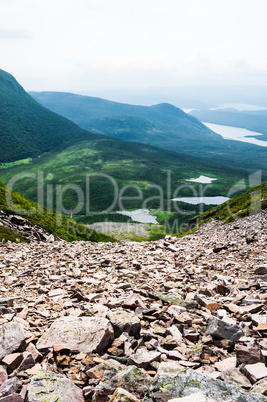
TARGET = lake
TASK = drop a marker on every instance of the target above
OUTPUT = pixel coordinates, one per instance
(202, 179)
(236, 133)
(217, 200)
(140, 215)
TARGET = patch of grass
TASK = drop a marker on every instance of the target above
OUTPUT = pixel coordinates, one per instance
(7, 165)
(7, 235)
(161, 216)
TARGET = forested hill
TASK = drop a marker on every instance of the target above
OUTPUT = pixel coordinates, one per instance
(28, 129)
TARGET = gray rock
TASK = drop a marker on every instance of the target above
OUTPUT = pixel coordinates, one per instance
(12, 398)
(124, 321)
(222, 329)
(168, 298)
(10, 386)
(132, 379)
(11, 337)
(85, 334)
(190, 382)
(46, 386)
(144, 358)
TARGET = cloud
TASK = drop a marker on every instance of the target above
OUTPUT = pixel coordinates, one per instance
(14, 34)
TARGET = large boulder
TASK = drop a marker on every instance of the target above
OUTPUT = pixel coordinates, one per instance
(85, 334)
(223, 330)
(46, 386)
(190, 382)
(12, 335)
(124, 321)
(132, 379)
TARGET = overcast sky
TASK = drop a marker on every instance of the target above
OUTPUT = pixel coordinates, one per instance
(77, 45)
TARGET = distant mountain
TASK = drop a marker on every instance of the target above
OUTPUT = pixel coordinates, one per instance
(164, 126)
(251, 120)
(27, 129)
(83, 109)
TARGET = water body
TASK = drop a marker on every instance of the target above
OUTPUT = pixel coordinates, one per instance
(237, 134)
(140, 215)
(206, 200)
(202, 179)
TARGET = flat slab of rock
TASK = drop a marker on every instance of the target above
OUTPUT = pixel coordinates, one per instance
(85, 334)
(190, 382)
(260, 387)
(11, 337)
(144, 358)
(46, 386)
(222, 329)
(255, 372)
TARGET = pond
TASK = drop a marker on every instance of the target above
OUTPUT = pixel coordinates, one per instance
(140, 215)
(217, 200)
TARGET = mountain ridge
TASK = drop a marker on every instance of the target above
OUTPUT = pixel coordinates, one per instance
(162, 125)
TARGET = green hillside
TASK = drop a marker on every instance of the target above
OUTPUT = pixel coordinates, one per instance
(26, 128)
(249, 203)
(163, 125)
(50, 221)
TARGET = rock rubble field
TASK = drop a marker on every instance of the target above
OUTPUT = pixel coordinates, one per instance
(180, 319)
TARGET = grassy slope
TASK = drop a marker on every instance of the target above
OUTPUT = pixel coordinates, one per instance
(27, 129)
(52, 222)
(250, 202)
(162, 125)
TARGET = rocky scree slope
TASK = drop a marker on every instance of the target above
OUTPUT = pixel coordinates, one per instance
(174, 320)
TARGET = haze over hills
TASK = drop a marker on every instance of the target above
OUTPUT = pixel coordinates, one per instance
(187, 96)
(162, 125)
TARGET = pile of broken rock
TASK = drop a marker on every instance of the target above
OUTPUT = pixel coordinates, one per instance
(172, 320)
